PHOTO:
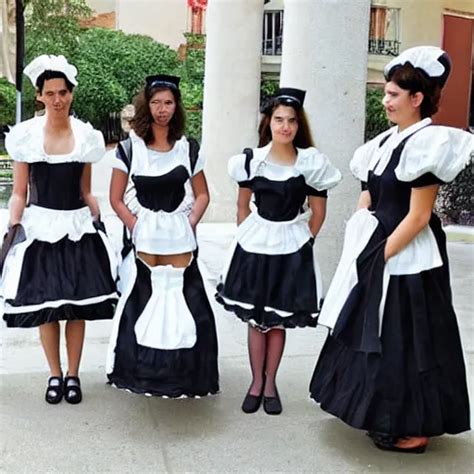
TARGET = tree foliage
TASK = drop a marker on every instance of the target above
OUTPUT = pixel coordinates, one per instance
(112, 67)
(7, 103)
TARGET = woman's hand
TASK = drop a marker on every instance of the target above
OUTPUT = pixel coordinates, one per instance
(132, 223)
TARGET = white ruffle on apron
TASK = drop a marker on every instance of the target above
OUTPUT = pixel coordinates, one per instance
(258, 235)
(163, 233)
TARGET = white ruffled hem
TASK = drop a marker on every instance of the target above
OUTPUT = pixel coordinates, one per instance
(258, 235)
(248, 306)
(56, 304)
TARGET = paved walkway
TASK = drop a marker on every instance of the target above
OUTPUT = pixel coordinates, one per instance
(114, 431)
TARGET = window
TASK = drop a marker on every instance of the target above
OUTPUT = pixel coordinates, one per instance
(384, 32)
(272, 33)
(197, 10)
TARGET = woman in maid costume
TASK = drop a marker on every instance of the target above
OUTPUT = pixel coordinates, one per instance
(271, 279)
(163, 339)
(57, 262)
(393, 363)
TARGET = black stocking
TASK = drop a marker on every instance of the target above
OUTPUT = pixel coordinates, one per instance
(275, 346)
(257, 348)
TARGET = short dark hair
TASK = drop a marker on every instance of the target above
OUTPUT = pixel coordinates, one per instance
(415, 80)
(303, 137)
(47, 75)
(142, 120)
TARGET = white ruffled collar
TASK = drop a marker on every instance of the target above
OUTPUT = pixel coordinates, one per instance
(25, 143)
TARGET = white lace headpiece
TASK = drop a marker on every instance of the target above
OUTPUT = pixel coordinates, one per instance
(49, 62)
(432, 60)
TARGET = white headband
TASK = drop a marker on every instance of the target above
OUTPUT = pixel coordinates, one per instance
(49, 62)
(422, 57)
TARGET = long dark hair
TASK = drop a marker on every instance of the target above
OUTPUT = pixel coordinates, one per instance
(415, 80)
(303, 137)
(142, 120)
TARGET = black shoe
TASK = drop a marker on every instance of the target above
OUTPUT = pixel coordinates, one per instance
(252, 403)
(391, 446)
(72, 390)
(54, 391)
(272, 405)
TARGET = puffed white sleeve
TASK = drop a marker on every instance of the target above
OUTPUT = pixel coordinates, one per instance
(201, 161)
(120, 162)
(19, 141)
(359, 165)
(236, 169)
(436, 154)
(319, 173)
(93, 147)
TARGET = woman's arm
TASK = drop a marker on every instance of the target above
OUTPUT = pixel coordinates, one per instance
(421, 206)
(17, 202)
(318, 213)
(243, 204)
(201, 198)
(364, 201)
(88, 198)
(118, 186)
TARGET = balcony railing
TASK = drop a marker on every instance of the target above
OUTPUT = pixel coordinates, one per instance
(272, 46)
(384, 47)
(272, 39)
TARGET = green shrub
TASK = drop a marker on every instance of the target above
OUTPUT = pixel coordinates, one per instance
(268, 87)
(7, 103)
(194, 124)
(375, 118)
(455, 200)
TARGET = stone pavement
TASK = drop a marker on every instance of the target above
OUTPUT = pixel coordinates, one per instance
(115, 431)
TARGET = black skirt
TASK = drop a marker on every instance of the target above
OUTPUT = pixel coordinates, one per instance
(172, 373)
(411, 380)
(271, 290)
(64, 280)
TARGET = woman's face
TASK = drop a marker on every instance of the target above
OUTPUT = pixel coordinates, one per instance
(284, 124)
(56, 97)
(162, 107)
(401, 107)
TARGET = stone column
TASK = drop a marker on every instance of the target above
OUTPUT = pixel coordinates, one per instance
(325, 52)
(231, 94)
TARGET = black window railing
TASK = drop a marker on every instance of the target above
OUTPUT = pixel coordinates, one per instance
(384, 47)
(272, 40)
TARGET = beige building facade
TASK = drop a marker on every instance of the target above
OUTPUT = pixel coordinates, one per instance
(397, 25)
(165, 21)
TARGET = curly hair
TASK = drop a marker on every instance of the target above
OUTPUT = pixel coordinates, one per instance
(303, 137)
(141, 122)
(415, 80)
